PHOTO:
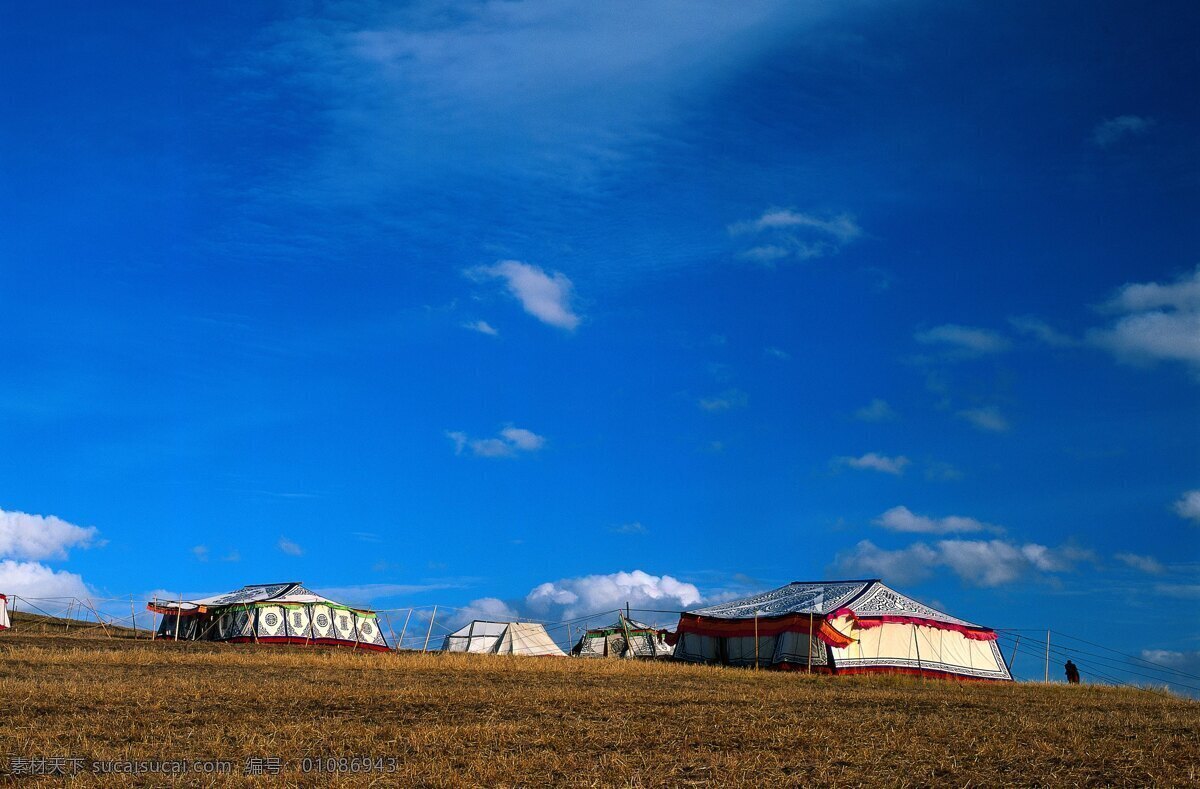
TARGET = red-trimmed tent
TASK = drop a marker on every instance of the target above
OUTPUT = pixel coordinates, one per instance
(271, 614)
(5, 623)
(840, 627)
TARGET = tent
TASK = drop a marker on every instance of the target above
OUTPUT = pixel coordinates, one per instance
(625, 638)
(840, 627)
(502, 638)
(284, 613)
(5, 624)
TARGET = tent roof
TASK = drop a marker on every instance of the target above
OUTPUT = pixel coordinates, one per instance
(866, 598)
(288, 592)
(480, 628)
(618, 626)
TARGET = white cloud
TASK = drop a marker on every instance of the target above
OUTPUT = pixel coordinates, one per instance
(728, 400)
(600, 594)
(1186, 591)
(232, 556)
(963, 341)
(875, 462)
(510, 442)
(988, 419)
(546, 297)
(490, 609)
(778, 353)
(31, 579)
(1188, 505)
(1155, 322)
(523, 439)
(787, 233)
(483, 327)
(1111, 130)
(635, 527)
(25, 536)
(979, 562)
(1147, 564)
(877, 411)
(200, 552)
(1039, 329)
(902, 519)
(289, 547)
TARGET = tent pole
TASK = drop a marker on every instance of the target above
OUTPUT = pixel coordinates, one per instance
(429, 632)
(810, 640)
(178, 613)
(68, 616)
(920, 668)
(99, 619)
(1047, 654)
(1016, 646)
(153, 619)
(133, 615)
(403, 629)
(756, 639)
(388, 619)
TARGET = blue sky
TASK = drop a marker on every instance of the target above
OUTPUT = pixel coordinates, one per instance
(455, 302)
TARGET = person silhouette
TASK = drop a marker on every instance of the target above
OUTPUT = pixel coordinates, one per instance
(1072, 673)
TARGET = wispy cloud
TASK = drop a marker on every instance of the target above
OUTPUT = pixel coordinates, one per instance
(783, 233)
(875, 462)
(634, 527)
(546, 297)
(987, 418)
(1156, 322)
(290, 548)
(984, 563)
(962, 341)
(510, 442)
(902, 519)
(777, 353)
(726, 401)
(1188, 505)
(200, 552)
(875, 411)
(1146, 564)
(1042, 331)
(1112, 130)
(483, 327)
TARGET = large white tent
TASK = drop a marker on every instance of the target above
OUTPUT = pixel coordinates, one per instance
(840, 627)
(502, 638)
(284, 613)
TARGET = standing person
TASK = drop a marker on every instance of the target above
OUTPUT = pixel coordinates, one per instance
(1072, 673)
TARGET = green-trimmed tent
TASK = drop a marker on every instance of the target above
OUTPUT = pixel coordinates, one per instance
(284, 613)
(624, 638)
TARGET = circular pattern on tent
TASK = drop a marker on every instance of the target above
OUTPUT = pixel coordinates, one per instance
(322, 620)
(366, 628)
(271, 620)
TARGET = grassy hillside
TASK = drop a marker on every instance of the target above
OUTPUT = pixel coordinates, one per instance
(452, 719)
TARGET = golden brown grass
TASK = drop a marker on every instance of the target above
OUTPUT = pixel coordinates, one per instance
(481, 720)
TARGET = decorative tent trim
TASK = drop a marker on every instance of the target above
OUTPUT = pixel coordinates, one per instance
(286, 613)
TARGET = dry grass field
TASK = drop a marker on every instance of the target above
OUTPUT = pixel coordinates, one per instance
(479, 720)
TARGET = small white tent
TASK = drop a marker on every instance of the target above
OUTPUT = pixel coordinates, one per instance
(5, 624)
(502, 638)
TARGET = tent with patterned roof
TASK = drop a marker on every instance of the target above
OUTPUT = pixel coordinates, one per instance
(840, 627)
(285, 613)
(624, 638)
